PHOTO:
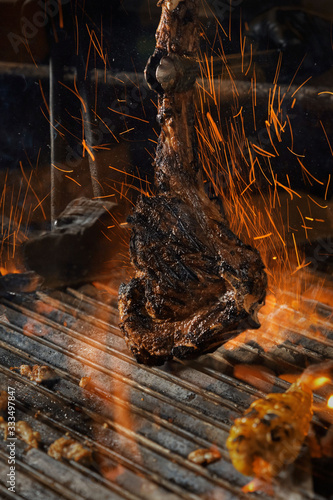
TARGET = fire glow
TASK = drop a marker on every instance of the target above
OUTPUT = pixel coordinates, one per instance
(259, 203)
(237, 168)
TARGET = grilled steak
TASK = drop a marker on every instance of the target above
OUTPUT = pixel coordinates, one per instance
(196, 284)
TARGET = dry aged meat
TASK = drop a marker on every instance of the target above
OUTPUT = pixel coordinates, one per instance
(196, 284)
(69, 449)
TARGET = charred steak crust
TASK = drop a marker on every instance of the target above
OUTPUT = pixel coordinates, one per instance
(191, 292)
(196, 284)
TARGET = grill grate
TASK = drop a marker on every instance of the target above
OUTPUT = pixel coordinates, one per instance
(141, 422)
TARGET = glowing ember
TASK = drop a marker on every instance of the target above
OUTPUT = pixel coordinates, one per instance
(330, 402)
(272, 430)
(204, 456)
(258, 485)
(84, 382)
(320, 381)
(259, 376)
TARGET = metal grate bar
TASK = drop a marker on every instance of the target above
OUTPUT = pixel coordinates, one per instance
(148, 443)
(141, 421)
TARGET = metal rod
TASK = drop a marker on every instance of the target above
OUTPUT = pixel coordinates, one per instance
(84, 87)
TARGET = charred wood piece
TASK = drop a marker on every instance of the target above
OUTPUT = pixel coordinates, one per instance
(75, 250)
(14, 283)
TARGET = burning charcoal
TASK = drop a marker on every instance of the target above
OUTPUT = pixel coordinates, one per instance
(204, 456)
(84, 382)
(36, 373)
(74, 252)
(19, 282)
(3, 401)
(259, 376)
(272, 430)
(24, 432)
(69, 449)
(196, 284)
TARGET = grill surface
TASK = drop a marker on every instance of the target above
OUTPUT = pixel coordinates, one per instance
(141, 422)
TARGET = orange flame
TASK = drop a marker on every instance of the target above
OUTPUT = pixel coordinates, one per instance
(320, 381)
